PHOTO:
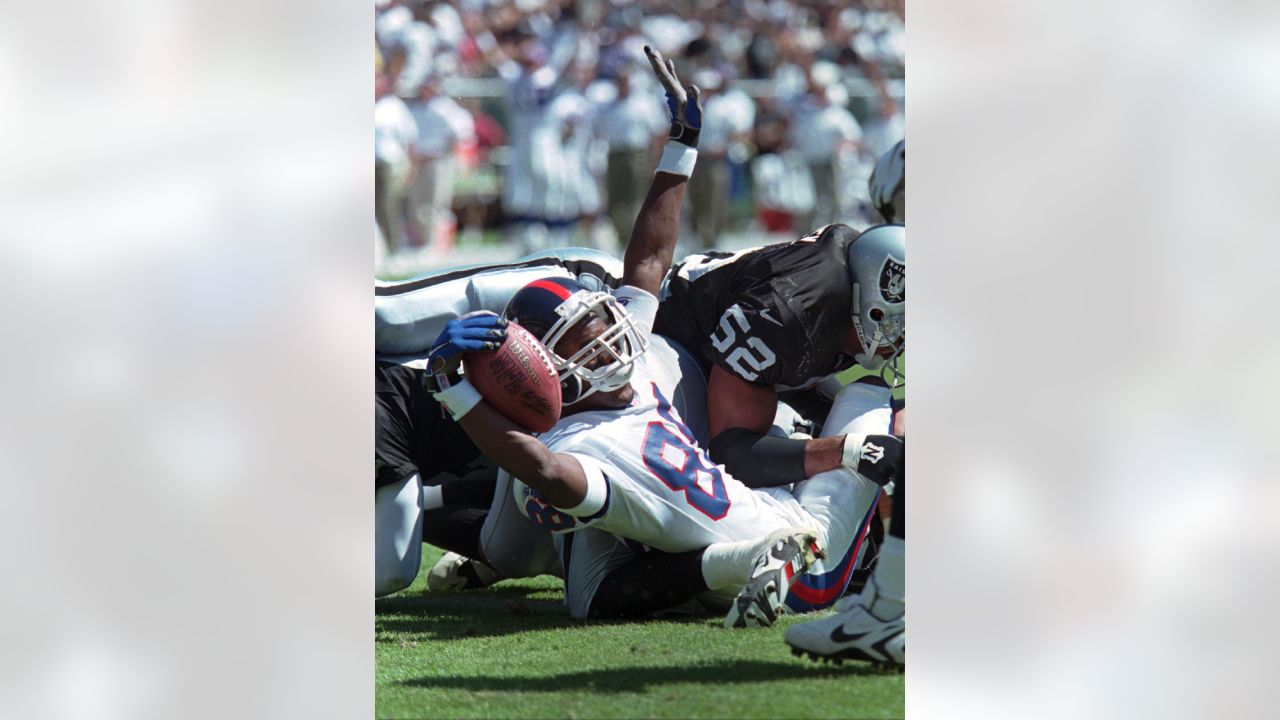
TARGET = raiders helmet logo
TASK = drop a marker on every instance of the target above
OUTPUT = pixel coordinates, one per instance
(893, 280)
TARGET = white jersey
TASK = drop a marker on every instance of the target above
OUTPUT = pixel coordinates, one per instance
(663, 489)
(664, 492)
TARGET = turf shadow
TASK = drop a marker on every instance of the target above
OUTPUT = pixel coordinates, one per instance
(494, 619)
(496, 612)
(449, 616)
(640, 679)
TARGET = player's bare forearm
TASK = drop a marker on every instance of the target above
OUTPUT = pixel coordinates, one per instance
(823, 454)
(653, 238)
(739, 417)
(558, 477)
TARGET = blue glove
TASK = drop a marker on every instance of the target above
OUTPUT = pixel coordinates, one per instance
(475, 332)
(686, 113)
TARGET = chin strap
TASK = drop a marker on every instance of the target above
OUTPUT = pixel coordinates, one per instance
(889, 372)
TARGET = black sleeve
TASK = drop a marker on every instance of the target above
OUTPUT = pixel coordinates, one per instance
(392, 454)
(759, 460)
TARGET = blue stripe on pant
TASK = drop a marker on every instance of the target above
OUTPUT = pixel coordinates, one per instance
(812, 591)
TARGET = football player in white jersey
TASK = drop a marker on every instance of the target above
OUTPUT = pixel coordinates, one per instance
(621, 458)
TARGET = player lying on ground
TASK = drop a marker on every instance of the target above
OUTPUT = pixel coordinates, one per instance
(620, 458)
(757, 277)
(464, 517)
(800, 282)
(432, 484)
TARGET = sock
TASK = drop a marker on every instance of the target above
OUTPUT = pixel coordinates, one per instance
(729, 564)
(432, 497)
(890, 579)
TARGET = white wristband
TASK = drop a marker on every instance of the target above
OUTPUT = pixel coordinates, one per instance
(678, 159)
(597, 490)
(458, 398)
(851, 452)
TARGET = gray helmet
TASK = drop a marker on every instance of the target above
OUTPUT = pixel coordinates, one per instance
(888, 179)
(878, 262)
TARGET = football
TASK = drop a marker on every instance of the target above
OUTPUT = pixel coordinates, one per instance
(518, 379)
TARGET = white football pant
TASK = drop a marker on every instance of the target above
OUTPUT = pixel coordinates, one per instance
(397, 535)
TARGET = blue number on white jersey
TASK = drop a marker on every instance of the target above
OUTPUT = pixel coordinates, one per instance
(671, 455)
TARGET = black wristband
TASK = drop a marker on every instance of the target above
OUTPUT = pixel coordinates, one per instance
(432, 381)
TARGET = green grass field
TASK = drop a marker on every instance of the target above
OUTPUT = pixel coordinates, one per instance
(512, 651)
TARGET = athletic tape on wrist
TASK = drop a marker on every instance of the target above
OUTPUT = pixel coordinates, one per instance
(597, 490)
(678, 159)
(459, 398)
(850, 452)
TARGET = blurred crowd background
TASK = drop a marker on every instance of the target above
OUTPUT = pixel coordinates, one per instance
(505, 127)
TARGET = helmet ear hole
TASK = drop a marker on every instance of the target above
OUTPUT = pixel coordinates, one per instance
(570, 389)
(876, 314)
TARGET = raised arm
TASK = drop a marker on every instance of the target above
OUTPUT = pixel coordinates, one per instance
(653, 238)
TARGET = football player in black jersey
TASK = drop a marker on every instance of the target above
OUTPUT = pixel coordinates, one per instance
(784, 318)
(870, 626)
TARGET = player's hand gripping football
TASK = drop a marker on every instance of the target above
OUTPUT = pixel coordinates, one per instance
(878, 458)
(473, 332)
(686, 113)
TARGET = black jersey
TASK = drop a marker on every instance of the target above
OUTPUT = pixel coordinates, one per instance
(776, 315)
(412, 433)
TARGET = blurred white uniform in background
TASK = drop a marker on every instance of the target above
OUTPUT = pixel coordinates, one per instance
(394, 132)
(628, 125)
(418, 40)
(567, 129)
(531, 148)
(442, 124)
(726, 115)
(828, 137)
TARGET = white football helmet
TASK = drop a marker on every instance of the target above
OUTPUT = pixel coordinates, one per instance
(548, 308)
(878, 262)
(888, 180)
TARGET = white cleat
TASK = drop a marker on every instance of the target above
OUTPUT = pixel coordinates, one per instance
(786, 554)
(854, 632)
(455, 572)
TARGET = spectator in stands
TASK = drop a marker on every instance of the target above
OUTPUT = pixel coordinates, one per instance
(526, 48)
(728, 118)
(417, 38)
(394, 132)
(634, 125)
(531, 84)
(442, 124)
(828, 136)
